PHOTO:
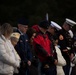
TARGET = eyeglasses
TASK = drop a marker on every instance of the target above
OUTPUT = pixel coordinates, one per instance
(25, 26)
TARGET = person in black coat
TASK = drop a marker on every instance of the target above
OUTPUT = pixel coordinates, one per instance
(34, 63)
(42, 45)
(23, 47)
(65, 43)
(25, 54)
(74, 48)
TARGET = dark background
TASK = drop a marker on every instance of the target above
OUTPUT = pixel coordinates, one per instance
(35, 10)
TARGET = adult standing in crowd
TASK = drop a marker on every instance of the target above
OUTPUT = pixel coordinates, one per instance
(42, 46)
(23, 47)
(52, 33)
(22, 25)
(65, 43)
(14, 39)
(34, 65)
(74, 59)
(8, 56)
(74, 40)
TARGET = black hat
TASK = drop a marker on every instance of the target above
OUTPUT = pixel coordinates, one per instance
(23, 21)
(44, 24)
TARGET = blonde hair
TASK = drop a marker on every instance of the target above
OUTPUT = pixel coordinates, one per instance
(6, 28)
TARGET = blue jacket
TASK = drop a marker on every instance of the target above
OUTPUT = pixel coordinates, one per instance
(23, 48)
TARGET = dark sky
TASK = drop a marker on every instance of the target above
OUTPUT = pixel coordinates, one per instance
(35, 10)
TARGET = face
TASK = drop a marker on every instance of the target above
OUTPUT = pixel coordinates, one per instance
(43, 30)
(51, 30)
(67, 26)
(56, 42)
(14, 41)
(23, 28)
(33, 36)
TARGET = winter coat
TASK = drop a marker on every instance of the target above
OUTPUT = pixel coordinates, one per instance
(60, 70)
(23, 48)
(9, 59)
(42, 46)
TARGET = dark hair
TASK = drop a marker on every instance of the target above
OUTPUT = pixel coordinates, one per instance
(44, 24)
(55, 37)
(30, 32)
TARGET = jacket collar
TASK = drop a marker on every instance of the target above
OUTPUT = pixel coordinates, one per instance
(3, 37)
(20, 32)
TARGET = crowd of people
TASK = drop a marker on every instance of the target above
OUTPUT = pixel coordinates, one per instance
(43, 49)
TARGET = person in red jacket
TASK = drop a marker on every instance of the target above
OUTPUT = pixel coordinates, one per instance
(44, 51)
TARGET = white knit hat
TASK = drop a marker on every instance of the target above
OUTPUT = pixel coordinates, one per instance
(16, 35)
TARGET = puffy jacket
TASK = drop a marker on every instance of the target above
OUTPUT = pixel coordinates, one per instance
(9, 59)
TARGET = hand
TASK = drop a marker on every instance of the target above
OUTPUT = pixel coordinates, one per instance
(46, 66)
(55, 62)
(29, 63)
(65, 50)
(61, 37)
(71, 56)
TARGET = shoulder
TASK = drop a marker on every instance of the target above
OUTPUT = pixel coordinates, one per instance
(23, 35)
(38, 36)
(23, 38)
(1, 41)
